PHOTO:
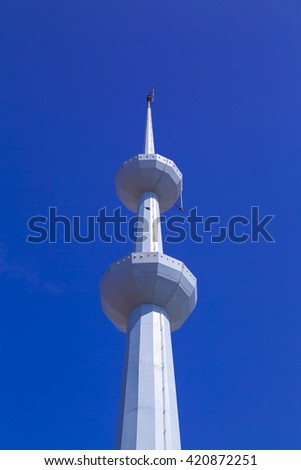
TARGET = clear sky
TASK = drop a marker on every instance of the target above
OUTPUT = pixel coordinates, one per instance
(73, 80)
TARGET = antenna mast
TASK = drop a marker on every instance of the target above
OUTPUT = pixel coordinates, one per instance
(150, 98)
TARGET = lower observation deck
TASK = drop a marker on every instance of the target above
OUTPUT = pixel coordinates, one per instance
(148, 278)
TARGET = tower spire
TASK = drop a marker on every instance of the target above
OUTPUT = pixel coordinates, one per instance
(149, 145)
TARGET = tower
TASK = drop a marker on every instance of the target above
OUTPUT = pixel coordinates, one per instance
(146, 295)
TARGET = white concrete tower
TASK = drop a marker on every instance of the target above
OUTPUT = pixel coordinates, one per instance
(147, 295)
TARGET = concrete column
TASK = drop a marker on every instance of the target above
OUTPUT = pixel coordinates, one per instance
(150, 227)
(148, 415)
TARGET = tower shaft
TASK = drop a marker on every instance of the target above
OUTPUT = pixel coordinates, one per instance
(148, 416)
(149, 237)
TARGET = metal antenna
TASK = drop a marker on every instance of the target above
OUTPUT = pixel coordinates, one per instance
(150, 97)
(181, 206)
(149, 146)
(153, 94)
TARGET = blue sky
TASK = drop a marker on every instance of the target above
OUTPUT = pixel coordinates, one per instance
(73, 78)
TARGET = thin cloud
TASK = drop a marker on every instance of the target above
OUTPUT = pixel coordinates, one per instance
(11, 268)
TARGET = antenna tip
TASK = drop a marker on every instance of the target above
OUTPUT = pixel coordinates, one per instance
(150, 97)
